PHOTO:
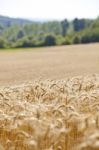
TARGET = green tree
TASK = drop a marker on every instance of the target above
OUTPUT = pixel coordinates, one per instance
(20, 34)
(76, 40)
(2, 43)
(65, 25)
(79, 24)
(50, 40)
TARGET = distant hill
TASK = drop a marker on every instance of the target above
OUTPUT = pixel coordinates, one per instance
(7, 21)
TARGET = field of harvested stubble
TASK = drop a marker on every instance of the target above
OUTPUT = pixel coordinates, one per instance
(18, 66)
(49, 99)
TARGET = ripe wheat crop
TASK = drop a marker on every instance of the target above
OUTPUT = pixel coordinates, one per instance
(51, 115)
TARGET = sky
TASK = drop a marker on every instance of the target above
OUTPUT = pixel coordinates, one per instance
(50, 9)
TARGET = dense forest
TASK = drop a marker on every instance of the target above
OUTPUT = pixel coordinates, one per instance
(15, 33)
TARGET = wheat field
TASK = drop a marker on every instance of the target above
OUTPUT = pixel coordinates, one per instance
(59, 111)
(51, 115)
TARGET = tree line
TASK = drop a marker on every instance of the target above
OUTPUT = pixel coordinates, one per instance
(36, 34)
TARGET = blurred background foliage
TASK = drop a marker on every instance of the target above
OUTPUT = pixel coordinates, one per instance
(16, 33)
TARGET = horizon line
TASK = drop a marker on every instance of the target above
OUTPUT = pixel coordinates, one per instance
(46, 19)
